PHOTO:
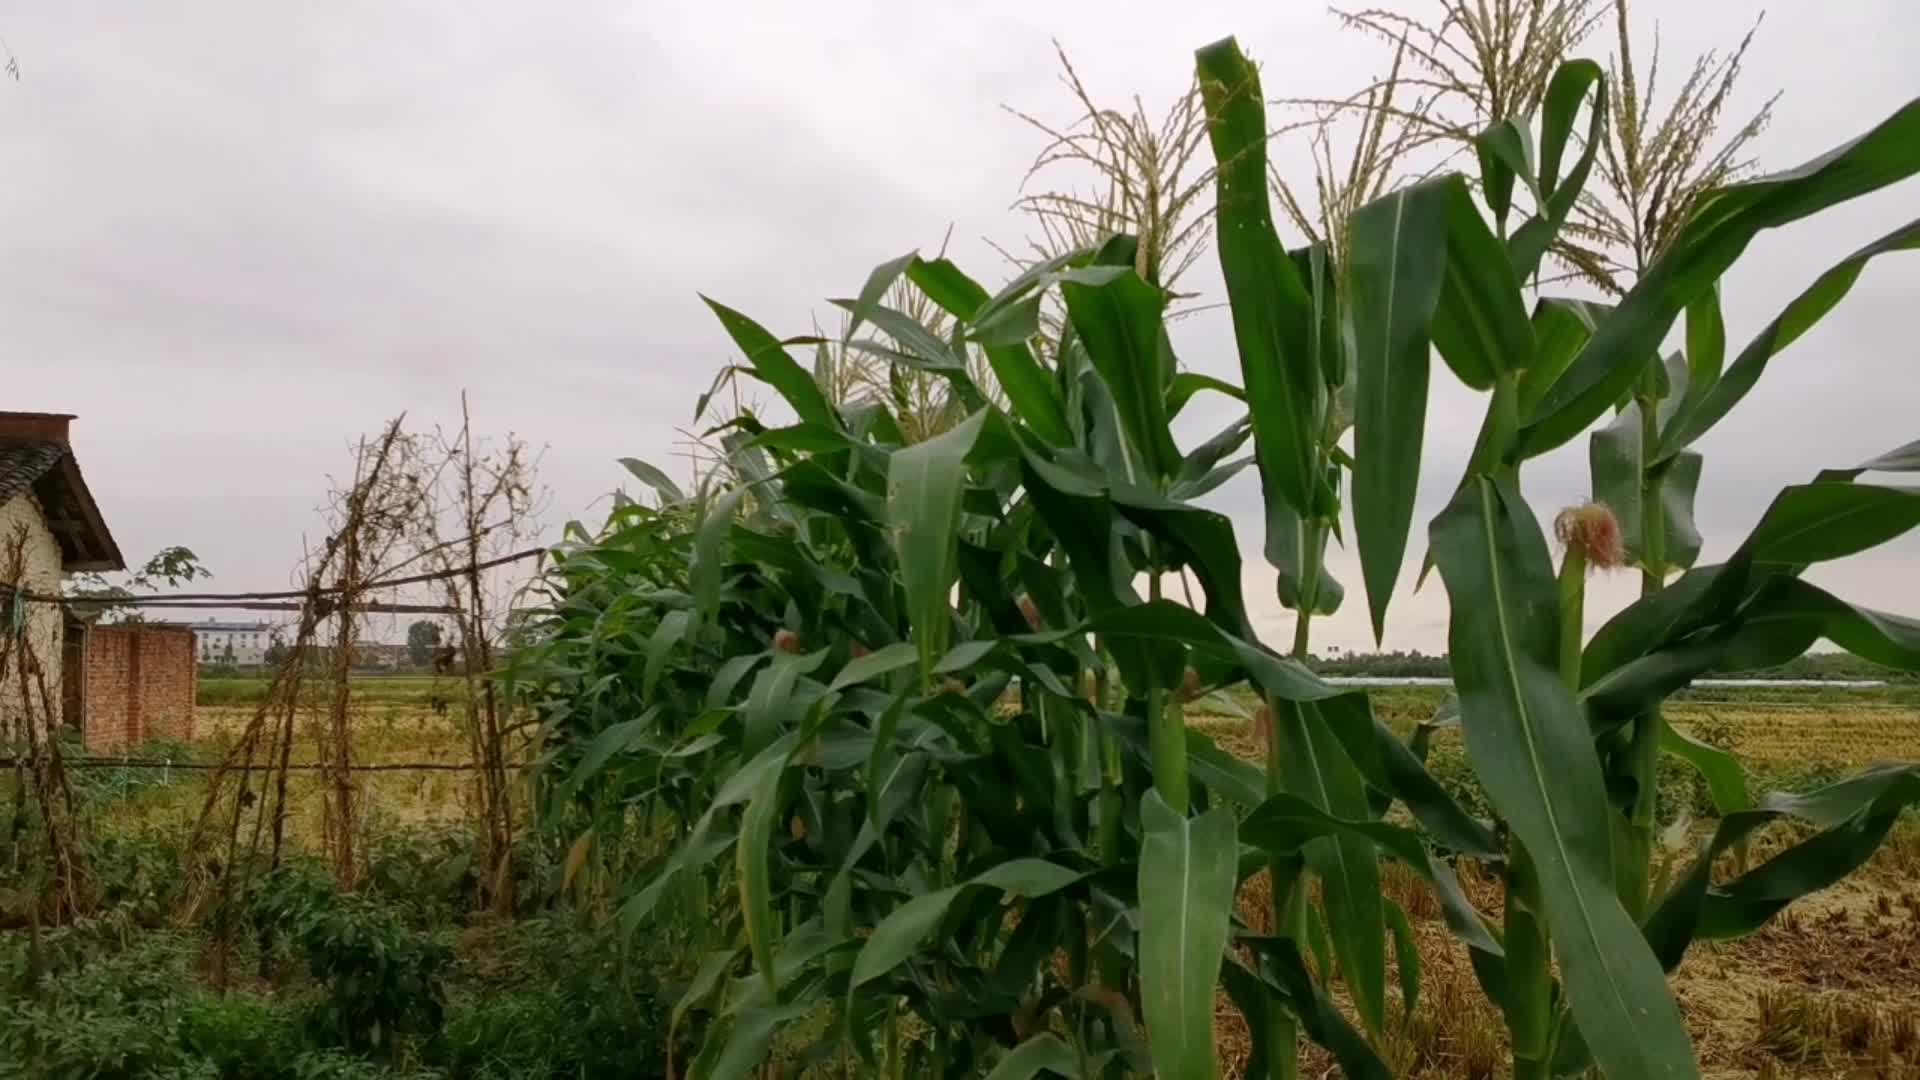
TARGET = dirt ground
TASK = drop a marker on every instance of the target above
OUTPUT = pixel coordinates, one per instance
(1829, 989)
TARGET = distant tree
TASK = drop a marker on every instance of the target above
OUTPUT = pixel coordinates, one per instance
(423, 637)
(277, 651)
(104, 599)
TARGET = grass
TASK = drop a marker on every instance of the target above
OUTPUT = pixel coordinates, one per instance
(416, 690)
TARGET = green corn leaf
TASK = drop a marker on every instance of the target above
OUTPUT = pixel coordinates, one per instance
(878, 282)
(1317, 770)
(1789, 615)
(1406, 957)
(1119, 323)
(739, 1049)
(881, 661)
(1015, 324)
(1389, 766)
(613, 739)
(1030, 392)
(1284, 824)
(1614, 460)
(948, 286)
(1286, 540)
(1561, 105)
(1561, 326)
(1188, 383)
(1505, 155)
(1041, 1054)
(753, 860)
(1726, 780)
(1810, 523)
(1480, 325)
(1397, 262)
(673, 626)
(1533, 754)
(1272, 312)
(771, 364)
(1706, 356)
(1904, 459)
(1713, 239)
(921, 346)
(1705, 408)
(1204, 540)
(1855, 816)
(652, 477)
(1319, 1017)
(924, 482)
(707, 565)
(903, 931)
(777, 700)
(1187, 879)
(706, 982)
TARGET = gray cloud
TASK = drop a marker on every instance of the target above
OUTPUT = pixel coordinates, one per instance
(237, 234)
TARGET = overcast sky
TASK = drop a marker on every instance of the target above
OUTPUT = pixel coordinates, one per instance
(237, 234)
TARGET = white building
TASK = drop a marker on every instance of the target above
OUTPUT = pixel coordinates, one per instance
(232, 642)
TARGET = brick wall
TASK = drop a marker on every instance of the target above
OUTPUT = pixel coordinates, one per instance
(140, 685)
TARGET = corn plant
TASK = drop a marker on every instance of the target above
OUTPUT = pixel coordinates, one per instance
(911, 737)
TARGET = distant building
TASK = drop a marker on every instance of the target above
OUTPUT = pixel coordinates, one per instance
(232, 642)
(379, 654)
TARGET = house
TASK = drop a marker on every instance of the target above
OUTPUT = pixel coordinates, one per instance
(232, 642)
(116, 685)
(49, 528)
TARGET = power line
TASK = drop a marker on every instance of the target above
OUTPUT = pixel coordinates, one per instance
(237, 599)
(202, 766)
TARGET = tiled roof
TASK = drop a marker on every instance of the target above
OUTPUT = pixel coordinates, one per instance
(24, 463)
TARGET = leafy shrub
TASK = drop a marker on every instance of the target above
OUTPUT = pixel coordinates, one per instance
(93, 1013)
(426, 872)
(571, 1005)
(136, 873)
(383, 978)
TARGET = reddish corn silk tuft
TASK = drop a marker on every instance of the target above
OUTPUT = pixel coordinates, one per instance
(1263, 726)
(1190, 686)
(1032, 612)
(1594, 532)
(857, 650)
(786, 641)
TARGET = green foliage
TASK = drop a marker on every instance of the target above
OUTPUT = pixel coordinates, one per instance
(883, 730)
(384, 979)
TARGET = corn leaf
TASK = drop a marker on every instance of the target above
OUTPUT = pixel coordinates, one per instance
(1705, 408)
(924, 482)
(1396, 264)
(1480, 325)
(1119, 324)
(768, 357)
(1560, 107)
(1317, 770)
(1187, 879)
(1272, 312)
(1713, 239)
(1533, 754)
(1854, 816)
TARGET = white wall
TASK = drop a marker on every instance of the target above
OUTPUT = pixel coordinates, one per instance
(22, 514)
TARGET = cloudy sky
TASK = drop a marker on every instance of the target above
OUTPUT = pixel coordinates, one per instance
(237, 234)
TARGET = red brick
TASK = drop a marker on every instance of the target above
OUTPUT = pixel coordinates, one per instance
(140, 684)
